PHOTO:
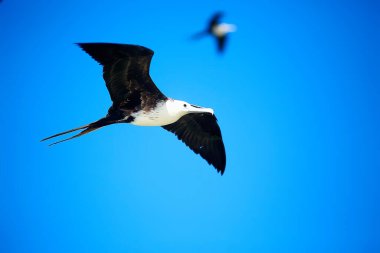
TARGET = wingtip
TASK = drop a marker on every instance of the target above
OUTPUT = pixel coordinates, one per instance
(221, 167)
(106, 53)
(221, 170)
(79, 44)
(84, 45)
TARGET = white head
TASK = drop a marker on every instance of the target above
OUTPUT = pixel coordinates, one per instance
(180, 108)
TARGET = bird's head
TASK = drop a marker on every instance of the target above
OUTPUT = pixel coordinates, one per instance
(178, 107)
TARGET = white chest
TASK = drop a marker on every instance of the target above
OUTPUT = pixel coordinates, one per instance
(159, 116)
(221, 30)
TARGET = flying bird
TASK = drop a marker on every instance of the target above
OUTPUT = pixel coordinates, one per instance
(138, 101)
(218, 30)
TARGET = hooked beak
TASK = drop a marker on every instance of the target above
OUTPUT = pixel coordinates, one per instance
(198, 109)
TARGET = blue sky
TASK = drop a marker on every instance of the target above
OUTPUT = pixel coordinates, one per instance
(296, 95)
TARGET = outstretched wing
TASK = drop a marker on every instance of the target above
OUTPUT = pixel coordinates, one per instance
(201, 133)
(126, 73)
(221, 41)
(215, 19)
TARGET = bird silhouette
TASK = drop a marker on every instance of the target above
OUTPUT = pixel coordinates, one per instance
(218, 30)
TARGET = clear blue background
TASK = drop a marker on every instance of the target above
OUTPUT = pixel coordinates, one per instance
(297, 98)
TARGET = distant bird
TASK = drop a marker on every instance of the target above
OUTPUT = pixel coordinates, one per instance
(138, 101)
(217, 30)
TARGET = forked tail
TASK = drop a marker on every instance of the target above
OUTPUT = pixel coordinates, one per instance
(87, 128)
(199, 35)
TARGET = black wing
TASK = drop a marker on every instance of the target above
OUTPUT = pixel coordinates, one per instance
(215, 19)
(199, 35)
(221, 43)
(126, 73)
(201, 133)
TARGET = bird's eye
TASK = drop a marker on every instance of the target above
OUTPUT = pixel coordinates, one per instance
(184, 105)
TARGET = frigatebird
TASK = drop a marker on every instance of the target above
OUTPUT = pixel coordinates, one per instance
(138, 101)
(218, 30)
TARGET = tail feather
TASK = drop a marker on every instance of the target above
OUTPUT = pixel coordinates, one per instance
(199, 35)
(87, 129)
(66, 132)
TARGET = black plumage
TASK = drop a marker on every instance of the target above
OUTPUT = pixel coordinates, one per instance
(201, 133)
(126, 74)
(211, 30)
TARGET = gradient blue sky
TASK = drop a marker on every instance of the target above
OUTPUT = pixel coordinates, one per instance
(296, 95)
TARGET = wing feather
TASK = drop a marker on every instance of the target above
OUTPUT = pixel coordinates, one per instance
(126, 73)
(201, 133)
